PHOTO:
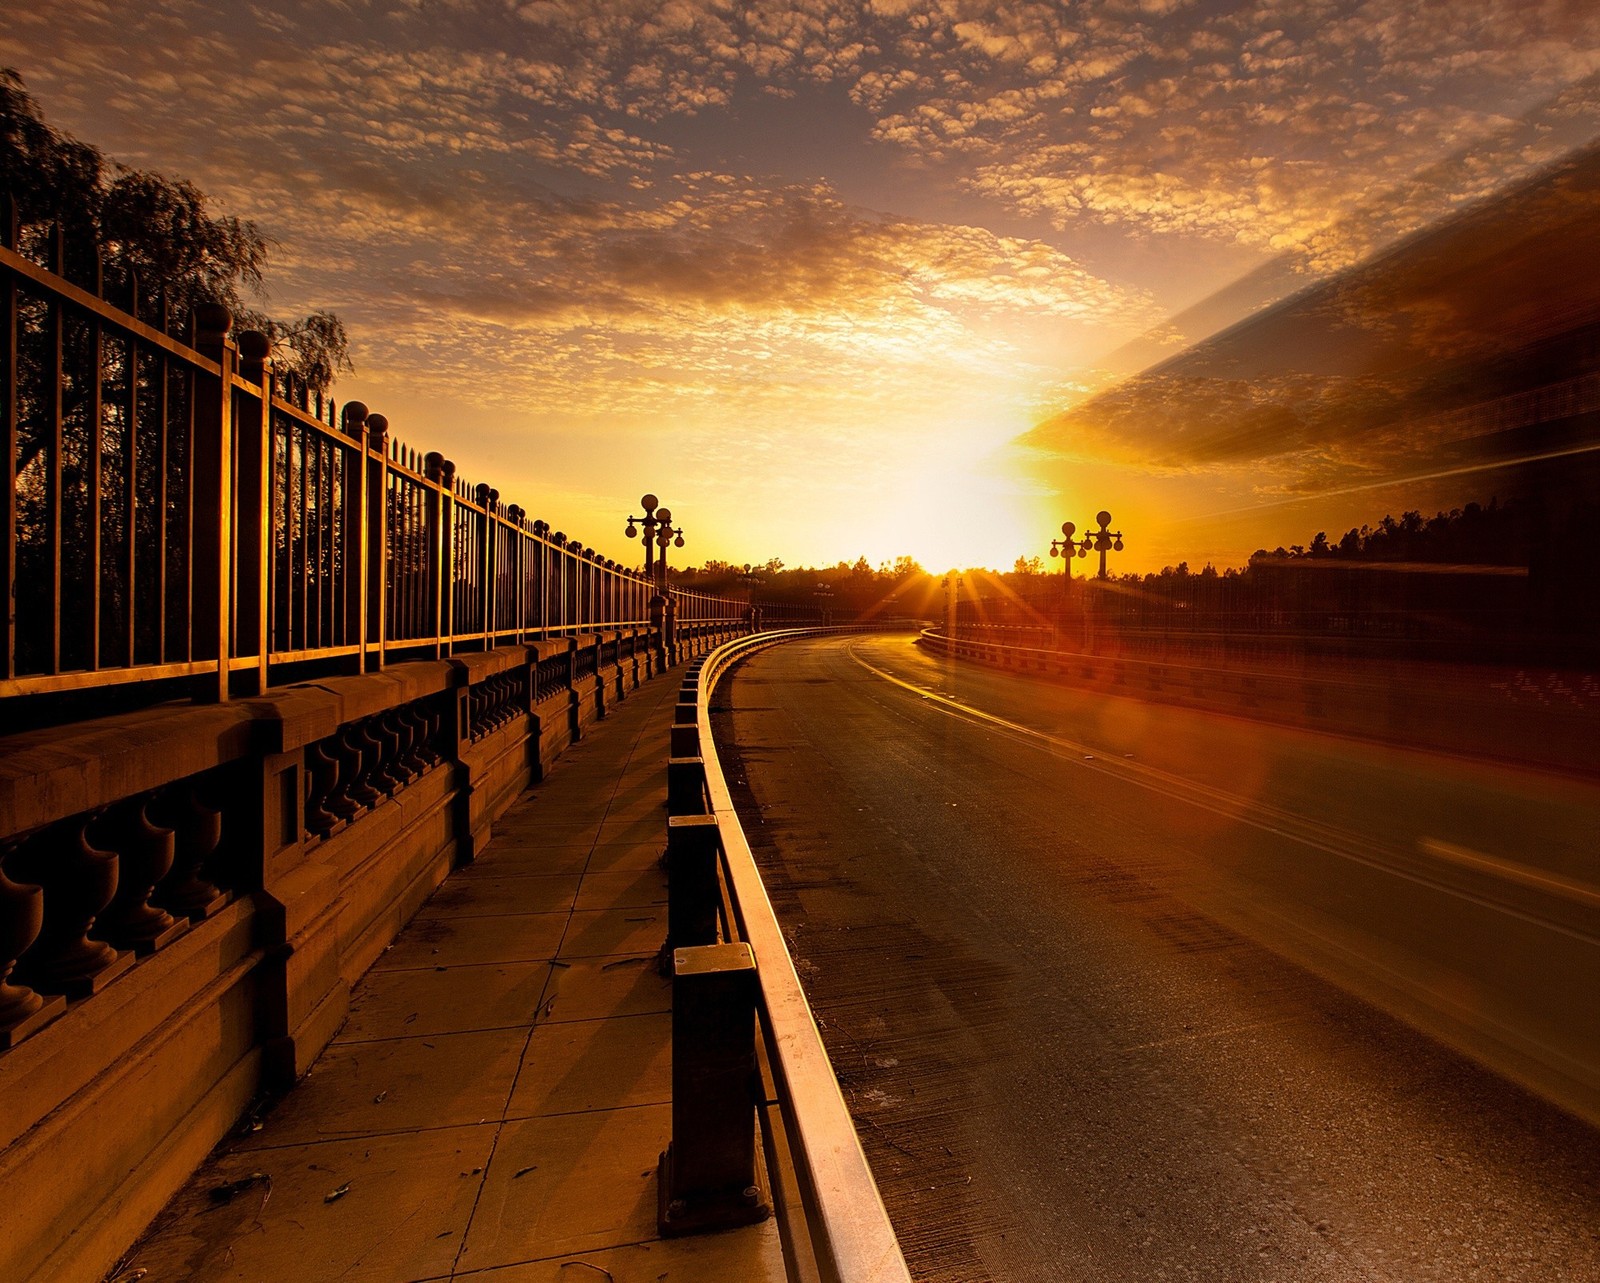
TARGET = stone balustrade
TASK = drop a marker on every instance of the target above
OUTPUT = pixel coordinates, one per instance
(188, 893)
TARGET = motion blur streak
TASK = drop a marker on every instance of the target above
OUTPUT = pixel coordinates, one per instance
(1112, 985)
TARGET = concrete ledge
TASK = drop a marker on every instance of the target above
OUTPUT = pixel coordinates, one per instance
(48, 775)
(487, 663)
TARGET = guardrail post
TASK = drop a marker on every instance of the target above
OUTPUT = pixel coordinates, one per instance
(685, 740)
(693, 894)
(707, 1178)
(686, 786)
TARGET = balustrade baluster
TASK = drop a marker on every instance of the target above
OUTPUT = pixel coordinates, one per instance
(146, 852)
(396, 726)
(187, 891)
(322, 778)
(78, 880)
(390, 775)
(21, 916)
(362, 753)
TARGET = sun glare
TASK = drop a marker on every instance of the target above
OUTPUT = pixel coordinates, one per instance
(961, 511)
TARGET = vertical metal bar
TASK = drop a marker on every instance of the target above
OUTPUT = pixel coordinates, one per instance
(328, 459)
(130, 503)
(283, 531)
(191, 380)
(316, 520)
(96, 427)
(253, 511)
(336, 629)
(522, 580)
(398, 584)
(415, 531)
(163, 417)
(485, 527)
(8, 426)
(374, 541)
(210, 492)
(302, 513)
(55, 324)
(543, 550)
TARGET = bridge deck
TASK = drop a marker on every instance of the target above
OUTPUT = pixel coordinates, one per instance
(500, 1093)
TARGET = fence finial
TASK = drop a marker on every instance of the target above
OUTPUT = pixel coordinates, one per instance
(254, 349)
(212, 321)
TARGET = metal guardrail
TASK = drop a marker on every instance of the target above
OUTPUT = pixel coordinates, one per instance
(851, 1238)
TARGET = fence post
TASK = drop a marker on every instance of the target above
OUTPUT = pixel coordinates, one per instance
(519, 578)
(485, 496)
(254, 495)
(441, 546)
(376, 560)
(354, 531)
(707, 1178)
(211, 499)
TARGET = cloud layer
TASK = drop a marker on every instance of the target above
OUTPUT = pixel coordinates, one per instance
(830, 231)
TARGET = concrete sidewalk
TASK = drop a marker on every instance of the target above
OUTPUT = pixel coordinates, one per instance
(495, 1105)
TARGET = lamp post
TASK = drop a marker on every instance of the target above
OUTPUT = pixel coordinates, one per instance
(1066, 546)
(752, 615)
(649, 521)
(1103, 540)
(658, 533)
(667, 536)
(951, 584)
(824, 594)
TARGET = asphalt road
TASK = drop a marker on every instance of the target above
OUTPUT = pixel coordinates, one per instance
(1108, 985)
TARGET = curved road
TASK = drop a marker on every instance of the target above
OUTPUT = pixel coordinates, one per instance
(1069, 954)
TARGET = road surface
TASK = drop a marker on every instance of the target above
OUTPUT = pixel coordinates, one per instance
(1100, 978)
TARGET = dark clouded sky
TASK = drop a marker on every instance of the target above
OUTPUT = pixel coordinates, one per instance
(808, 269)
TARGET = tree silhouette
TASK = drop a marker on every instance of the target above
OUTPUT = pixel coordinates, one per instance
(104, 483)
(145, 239)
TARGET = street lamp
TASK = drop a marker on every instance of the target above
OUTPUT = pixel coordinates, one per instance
(951, 584)
(659, 532)
(649, 521)
(1066, 546)
(752, 615)
(1103, 540)
(824, 594)
(667, 536)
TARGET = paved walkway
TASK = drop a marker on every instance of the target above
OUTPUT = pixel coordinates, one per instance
(495, 1105)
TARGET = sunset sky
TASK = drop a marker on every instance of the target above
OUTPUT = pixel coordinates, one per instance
(810, 271)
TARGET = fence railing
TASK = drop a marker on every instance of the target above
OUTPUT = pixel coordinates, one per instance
(179, 510)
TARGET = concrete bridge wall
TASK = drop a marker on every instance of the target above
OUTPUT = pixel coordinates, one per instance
(207, 881)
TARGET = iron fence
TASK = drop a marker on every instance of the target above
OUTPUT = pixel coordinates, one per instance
(176, 509)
